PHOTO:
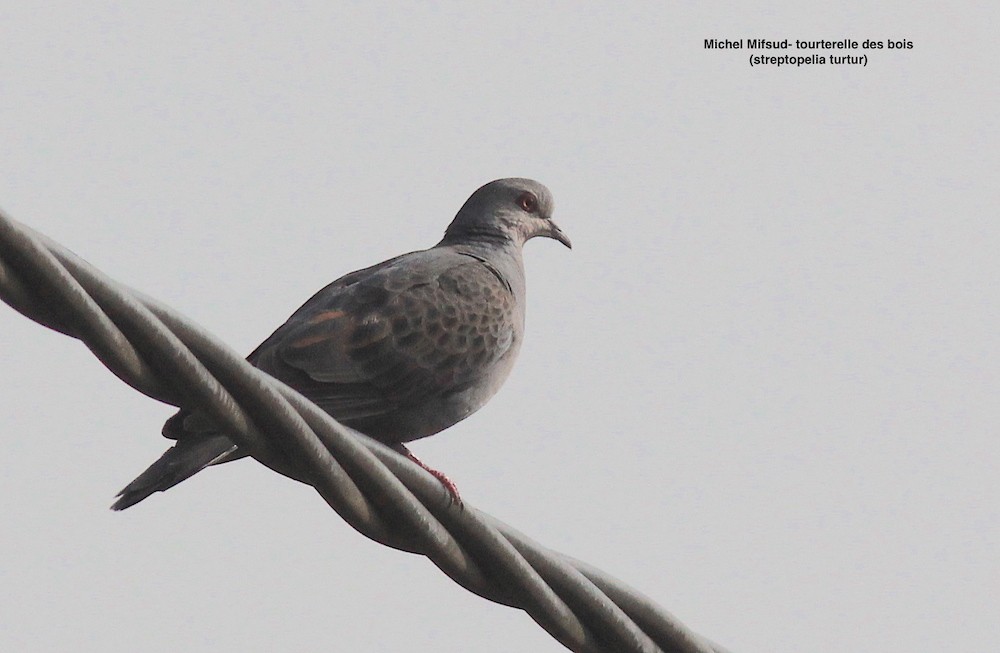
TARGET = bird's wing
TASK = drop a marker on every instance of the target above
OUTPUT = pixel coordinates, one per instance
(421, 326)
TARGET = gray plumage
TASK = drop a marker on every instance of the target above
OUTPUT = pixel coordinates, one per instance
(400, 350)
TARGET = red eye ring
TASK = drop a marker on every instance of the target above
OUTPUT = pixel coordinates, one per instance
(528, 202)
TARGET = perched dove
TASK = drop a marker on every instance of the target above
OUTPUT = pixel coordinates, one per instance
(400, 350)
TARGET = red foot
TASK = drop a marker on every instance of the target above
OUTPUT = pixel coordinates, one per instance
(446, 482)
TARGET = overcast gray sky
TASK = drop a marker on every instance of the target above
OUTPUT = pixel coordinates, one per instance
(762, 388)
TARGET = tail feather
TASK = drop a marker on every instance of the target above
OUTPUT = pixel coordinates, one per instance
(183, 460)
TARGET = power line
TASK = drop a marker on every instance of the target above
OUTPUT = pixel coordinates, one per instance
(377, 491)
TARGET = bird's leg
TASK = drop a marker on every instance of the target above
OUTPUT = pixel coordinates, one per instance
(446, 482)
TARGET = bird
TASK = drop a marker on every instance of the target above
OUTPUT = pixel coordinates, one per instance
(400, 350)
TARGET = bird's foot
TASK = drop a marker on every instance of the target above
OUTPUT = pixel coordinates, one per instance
(447, 483)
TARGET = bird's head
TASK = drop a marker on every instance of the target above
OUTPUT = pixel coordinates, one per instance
(510, 209)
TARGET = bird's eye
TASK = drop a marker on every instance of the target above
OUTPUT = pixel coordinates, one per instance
(528, 202)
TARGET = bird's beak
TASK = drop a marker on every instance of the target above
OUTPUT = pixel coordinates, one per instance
(556, 233)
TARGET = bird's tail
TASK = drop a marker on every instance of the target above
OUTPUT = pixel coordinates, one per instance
(183, 460)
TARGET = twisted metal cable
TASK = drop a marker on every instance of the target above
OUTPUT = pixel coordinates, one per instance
(380, 493)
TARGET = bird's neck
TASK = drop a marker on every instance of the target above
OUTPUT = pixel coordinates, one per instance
(503, 256)
(461, 234)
